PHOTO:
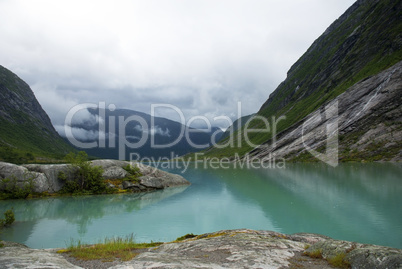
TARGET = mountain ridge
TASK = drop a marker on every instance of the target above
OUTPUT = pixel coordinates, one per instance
(361, 43)
(138, 125)
(26, 130)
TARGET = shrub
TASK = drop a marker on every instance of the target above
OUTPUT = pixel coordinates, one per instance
(133, 172)
(184, 237)
(9, 218)
(11, 190)
(316, 254)
(87, 178)
(339, 261)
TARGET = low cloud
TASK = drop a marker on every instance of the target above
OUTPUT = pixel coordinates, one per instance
(80, 134)
(153, 130)
(202, 56)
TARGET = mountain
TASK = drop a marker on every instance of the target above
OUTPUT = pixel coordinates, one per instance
(237, 124)
(363, 42)
(122, 131)
(26, 131)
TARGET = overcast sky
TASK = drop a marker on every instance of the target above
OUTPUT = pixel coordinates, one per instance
(202, 56)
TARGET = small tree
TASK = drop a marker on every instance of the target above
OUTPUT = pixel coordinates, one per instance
(12, 190)
(9, 218)
(86, 177)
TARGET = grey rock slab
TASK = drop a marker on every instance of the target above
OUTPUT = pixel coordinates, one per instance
(360, 255)
(114, 172)
(107, 163)
(46, 177)
(129, 185)
(51, 174)
(14, 255)
(152, 182)
(165, 178)
(22, 176)
(224, 249)
(358, 108)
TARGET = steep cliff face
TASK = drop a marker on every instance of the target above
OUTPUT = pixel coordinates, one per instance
(365, 123)
(363, 42)
(24, 125)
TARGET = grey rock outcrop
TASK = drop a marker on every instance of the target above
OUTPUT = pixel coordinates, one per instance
(227, 249)
(50, 172)
(152, 178)
(45, 178)
(22, 177)
(358, 115)
(262, 249)
(13, 255)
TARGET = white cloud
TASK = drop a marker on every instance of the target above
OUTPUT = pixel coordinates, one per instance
(153, 130)
(79, 133)
(201, 55)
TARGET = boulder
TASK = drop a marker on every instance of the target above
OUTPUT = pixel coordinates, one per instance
(164, 178)
(50, 173)
(151, 182)
(114, 172)
(106, 163)
(128, 185)
(22, 177)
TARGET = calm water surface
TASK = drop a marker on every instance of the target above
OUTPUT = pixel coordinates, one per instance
(356, 202)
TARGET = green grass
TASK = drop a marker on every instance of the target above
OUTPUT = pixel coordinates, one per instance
(315, 254)
(339, 261)
(107, 250)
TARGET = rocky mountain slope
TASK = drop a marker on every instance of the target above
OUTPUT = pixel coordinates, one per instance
(25, 128)
(368, 121)
(364, 41)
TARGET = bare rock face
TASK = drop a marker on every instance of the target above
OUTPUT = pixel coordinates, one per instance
(359, 116)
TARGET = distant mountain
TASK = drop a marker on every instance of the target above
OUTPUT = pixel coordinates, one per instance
(237, 124)
(26, 131)
(363, 42)
(125, 129)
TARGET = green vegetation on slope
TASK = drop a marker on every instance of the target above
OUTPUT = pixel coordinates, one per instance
(363, 42)
(26, 133)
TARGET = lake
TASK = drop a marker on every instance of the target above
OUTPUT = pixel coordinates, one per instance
(355, 202)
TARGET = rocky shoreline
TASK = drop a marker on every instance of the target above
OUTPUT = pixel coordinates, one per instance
(46, 177)
(225, 249)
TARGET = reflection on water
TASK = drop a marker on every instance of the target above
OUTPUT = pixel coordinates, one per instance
(357, 202)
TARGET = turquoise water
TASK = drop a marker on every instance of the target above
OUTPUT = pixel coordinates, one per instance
(356, 202)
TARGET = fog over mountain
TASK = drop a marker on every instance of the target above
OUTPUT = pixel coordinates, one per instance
(202, 56)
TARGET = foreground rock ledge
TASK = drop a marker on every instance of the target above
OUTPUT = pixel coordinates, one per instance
(226, 249)
(45, 176)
